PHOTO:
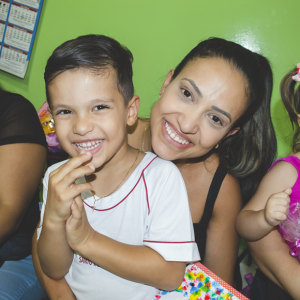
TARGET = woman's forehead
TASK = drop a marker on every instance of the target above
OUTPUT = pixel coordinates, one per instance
(218, 81)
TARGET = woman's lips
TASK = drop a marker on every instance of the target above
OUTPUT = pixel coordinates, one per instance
(172, 136)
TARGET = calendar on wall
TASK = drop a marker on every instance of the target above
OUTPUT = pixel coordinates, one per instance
(18, 24)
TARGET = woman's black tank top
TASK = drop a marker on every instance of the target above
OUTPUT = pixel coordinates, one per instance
(201, 227)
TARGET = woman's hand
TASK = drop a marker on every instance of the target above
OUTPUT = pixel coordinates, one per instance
(277, 207)
(78, 228)
(61, 188)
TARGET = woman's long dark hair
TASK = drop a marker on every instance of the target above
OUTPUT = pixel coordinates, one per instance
(291, 101)
(249, 153)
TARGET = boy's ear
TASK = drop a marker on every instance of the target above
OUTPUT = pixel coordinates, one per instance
(133, 110)
(167, 81)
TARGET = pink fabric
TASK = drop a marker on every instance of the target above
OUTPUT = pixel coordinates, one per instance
(289, 228)
(295, 195)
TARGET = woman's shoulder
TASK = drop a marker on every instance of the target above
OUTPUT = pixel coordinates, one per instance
(11, 100)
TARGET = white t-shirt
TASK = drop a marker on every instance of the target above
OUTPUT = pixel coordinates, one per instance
(151, 208)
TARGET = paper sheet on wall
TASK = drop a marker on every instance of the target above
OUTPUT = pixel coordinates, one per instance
(18, 25)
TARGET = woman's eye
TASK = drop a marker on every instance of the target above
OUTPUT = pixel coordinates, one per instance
(64, 112)
(216, 119)
(100, 107)
(186, 93)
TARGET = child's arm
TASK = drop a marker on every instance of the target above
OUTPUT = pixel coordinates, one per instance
(55, 289)
(136, 263)
(168, 240)
(273, 258)
(270, 204)
(54, 253)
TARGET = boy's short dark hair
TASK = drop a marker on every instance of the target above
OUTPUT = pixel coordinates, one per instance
(95, 53)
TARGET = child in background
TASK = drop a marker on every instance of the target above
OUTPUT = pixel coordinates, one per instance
(134, 234)
(280, 188)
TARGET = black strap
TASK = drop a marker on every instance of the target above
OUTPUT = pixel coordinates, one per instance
(212, 196)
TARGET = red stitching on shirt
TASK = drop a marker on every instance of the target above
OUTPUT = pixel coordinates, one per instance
(168, 242)
(142, 175)
(146, 192)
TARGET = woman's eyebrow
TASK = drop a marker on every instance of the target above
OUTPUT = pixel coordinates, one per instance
(194, 86)
(222, 112)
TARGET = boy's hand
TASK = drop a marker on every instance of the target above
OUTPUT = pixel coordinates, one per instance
(61, 188)
(277, 207)
(78, 228)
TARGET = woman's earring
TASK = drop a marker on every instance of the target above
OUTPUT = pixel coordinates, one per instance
(159, 94)
(217, 146)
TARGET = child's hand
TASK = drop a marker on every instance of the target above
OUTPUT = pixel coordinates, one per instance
(277, 207)
(62, 190)
(78, 228)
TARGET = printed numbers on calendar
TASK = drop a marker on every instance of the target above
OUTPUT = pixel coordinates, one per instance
(18, 37)
(32, 3)
(13, 59)
(4, 7)
(22, 16)
(2, 27)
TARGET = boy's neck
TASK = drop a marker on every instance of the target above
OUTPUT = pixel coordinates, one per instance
(116, 171)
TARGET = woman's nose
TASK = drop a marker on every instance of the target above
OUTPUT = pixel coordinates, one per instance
(83, 126)
(188, 123)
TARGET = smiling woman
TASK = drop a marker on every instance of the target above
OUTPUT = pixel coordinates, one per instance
(213, 120)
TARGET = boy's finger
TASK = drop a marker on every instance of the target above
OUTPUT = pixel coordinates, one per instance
(79, 203)
(74, 220)
(72, 164)
(76, 190)
(75, 174)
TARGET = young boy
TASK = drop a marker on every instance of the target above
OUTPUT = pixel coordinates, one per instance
(133, 233)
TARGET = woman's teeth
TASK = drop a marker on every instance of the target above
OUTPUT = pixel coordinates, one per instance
(89, 145)
(174, 136)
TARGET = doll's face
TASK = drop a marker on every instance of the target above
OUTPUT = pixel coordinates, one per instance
(47, 124)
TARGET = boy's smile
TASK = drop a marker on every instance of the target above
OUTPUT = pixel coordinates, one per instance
(89, 113)
(92, 146)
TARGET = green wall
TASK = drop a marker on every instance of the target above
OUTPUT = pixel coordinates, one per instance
(161, 32)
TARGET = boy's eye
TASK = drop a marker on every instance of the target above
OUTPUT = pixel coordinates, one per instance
(99, 107)
(64, 112)
(186, 93)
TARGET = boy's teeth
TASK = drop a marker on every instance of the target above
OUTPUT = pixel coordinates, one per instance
(174, 136)
(89, 145)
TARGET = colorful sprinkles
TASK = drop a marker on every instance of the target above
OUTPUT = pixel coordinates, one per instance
(201, 284)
